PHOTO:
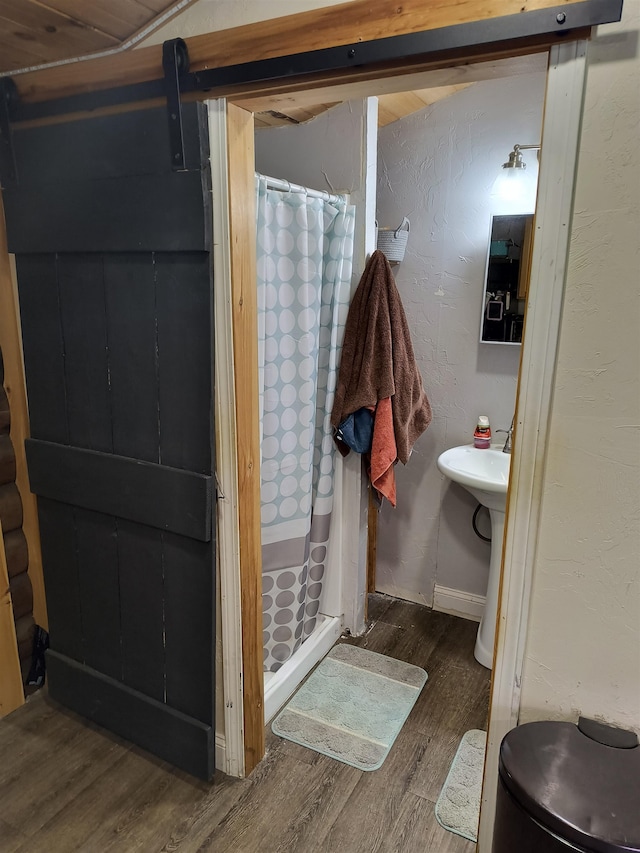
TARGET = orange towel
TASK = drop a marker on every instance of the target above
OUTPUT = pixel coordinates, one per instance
(384, 452)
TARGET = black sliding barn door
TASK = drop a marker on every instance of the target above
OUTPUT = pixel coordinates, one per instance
(114, 278)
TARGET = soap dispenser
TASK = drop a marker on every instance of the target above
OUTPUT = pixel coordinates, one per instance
(482, 435)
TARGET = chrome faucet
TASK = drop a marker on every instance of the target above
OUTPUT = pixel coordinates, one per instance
(509, 433)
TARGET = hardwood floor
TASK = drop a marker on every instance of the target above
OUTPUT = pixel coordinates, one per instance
(66, 785)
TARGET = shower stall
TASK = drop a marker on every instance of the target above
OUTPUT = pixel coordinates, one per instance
(304, 265)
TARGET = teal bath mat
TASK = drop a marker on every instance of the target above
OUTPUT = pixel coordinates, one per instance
(353, 706)
(458, 806)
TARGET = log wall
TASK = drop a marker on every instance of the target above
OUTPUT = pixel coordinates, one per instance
(15, 543)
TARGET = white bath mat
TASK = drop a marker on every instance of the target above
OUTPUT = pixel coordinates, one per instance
(353, 706)
(458, 806)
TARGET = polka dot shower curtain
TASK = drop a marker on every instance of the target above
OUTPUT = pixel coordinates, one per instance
(305, 250)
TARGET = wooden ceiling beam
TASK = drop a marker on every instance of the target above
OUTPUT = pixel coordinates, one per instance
(404, 81)
(349, 23)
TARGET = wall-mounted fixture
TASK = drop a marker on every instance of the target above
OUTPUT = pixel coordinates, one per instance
(516, 186)
(392, 242)
(506, 279)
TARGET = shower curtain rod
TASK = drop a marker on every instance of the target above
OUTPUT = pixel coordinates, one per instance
(287, 186)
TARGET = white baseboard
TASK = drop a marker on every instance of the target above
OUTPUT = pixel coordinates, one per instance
(458, 603)
(405, 594)
(221, 753)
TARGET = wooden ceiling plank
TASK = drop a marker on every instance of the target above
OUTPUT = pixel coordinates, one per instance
(118, 18)
(42, 19)
(267, 119)
(302, 114)
(15, 55)
(91, 74)
(34, 53)
(278, 120)
(432, 96)
(32, 22)
(23, 42)
(273, 118)
(392, 108)
(70, 40)
(311, 112)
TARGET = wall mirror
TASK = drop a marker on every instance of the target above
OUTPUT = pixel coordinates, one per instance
(506, 279)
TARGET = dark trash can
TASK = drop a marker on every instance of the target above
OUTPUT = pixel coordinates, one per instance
(565, 787)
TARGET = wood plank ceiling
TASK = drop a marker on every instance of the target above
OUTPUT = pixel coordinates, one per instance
(37, 32)
(391, 107)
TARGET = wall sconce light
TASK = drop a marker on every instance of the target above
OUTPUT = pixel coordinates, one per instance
(516, 186)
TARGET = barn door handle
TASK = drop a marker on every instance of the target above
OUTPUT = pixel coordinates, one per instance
(175, 62)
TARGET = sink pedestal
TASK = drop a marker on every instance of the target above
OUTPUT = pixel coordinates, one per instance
(483, 651)
(485, 474)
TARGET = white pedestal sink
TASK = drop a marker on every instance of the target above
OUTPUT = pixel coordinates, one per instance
(484, 473)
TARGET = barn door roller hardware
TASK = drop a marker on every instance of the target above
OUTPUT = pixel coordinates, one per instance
(554, 22)
(446, 44)
(8, 99)
(175, 64)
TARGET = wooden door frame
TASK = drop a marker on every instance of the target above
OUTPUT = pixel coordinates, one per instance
(247, 371)
(566, 80)
(563, 106)
(231, 133)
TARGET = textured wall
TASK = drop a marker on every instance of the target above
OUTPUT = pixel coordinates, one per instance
(307, 154)
(583, 649)
(208, 16)
(437, 167)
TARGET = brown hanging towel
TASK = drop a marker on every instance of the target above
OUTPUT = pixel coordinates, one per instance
(378, 364)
